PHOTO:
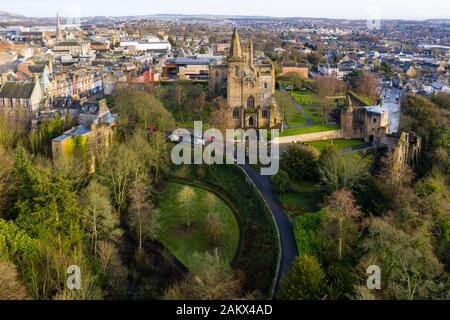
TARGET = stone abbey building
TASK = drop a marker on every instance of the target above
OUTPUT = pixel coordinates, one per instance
(248, 83)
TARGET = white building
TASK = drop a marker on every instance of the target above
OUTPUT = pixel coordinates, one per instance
(153, 44)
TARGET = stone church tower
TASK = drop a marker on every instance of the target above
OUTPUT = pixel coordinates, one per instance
(249, 86)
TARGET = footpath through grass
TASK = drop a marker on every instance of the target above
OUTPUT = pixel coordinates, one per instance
(292, 116)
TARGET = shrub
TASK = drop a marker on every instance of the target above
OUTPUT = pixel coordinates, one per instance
(281, 181)
(305, 281)
(305, 230)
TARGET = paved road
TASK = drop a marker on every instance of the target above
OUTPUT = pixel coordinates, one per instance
(310, 121)
(288, 244)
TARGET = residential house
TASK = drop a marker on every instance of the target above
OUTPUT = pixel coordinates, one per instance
(21, 97)
(300, 69)
(94, 133)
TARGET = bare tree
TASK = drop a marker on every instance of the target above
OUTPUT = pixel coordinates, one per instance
(338, 233)
(102, 221)
(219, 117)
(212, 279)
(121, 169)
(179, 94)
(143, 214)
(215, 227)
(368, 86)
(185, 198)
(326, 87)
(342, 206)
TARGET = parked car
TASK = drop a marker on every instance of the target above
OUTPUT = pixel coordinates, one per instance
(209, 138)
(174, 138)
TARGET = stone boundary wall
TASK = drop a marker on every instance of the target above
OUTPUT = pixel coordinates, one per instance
(313, 136)
(277, 276)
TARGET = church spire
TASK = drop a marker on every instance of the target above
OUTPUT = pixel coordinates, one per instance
(235, 49)
(58, 27)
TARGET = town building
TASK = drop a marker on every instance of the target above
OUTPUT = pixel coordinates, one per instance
(94, 133)
(301, 69)
(20, 97)
(195, 67)
(153, 44)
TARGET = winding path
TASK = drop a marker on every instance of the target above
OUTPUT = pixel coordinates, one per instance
(310, 121)
(284, 225)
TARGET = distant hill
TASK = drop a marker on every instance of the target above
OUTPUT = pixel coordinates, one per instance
(10, 16)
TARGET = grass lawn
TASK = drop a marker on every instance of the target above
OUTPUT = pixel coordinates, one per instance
(296, 203)
(315, 113)
(189, 124)
(305, 98)
(292, 115)
(314, 128)
(310, 103)
(184, 241)
(338, 143)
(365, 99)
(301, 197)
(297, 120)
(304, 186)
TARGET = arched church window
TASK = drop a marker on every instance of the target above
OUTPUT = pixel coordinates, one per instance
(265, 85)
(250, 102)
(236, 113)
(236, 71)
(265, 113)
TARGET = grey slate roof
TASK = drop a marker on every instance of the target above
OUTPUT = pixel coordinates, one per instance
(38, 68)
(17, 89)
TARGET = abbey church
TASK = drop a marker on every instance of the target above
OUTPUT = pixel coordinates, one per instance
(248, 82)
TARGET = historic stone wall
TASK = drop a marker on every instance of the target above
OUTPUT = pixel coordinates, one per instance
(305, 137)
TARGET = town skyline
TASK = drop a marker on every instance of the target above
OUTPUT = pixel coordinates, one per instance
(349, 9)
(231, 156)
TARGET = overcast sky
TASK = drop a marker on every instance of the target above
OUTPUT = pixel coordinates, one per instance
(350, 9)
